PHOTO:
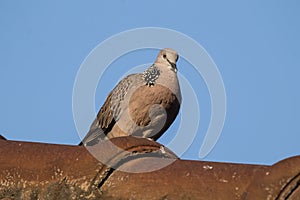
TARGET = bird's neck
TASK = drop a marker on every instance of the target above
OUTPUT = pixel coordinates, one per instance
(151, 74)
(162, 75)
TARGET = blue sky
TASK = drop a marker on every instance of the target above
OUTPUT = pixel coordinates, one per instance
(255, 45)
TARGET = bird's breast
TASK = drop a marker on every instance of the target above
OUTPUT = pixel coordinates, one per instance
(148, 110)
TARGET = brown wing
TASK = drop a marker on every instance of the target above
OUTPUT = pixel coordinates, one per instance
(110, 111)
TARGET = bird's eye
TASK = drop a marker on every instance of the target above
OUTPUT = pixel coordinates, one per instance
(164, 56)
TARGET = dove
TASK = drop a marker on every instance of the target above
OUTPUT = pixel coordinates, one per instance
(141, 105)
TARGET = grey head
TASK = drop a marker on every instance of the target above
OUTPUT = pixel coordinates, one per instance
(165, 60)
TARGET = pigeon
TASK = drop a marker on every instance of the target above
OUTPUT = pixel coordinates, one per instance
(141, 105)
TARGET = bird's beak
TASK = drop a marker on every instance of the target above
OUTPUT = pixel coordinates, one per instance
(174, 67)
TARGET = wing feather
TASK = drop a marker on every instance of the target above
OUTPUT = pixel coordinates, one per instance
(110, 111)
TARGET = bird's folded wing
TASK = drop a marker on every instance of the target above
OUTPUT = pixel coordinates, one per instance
(111, 110)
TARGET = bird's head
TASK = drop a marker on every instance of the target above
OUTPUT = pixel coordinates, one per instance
(168, 57)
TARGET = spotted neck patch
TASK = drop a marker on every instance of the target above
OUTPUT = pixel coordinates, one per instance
(150, 75)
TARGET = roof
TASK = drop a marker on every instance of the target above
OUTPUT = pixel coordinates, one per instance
(146, 170)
